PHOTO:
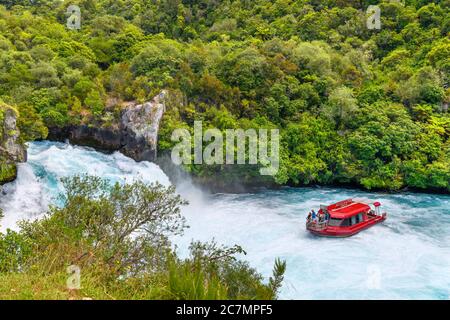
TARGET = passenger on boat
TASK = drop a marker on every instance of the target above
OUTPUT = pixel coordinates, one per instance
(313, 216)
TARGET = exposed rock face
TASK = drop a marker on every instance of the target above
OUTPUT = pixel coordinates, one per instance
(140, 125)
(136, 135)
(11, 150)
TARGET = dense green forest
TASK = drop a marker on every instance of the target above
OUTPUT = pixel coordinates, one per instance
(354, 106)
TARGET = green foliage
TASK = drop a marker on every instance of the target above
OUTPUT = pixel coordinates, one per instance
(8, 171)
(341, 106)
(304, 140)
(270, 63)
(14, 251)
(31, 124)
(187, 282)
(107, 218)
(94, 102)
(119, 236)
(276, 280)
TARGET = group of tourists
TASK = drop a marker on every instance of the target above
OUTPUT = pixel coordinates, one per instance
(319, 217)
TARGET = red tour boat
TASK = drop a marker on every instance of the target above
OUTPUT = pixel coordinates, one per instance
(344, 218)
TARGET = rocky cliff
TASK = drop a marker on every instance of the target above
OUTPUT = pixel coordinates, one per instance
(135, 134)
(140, 125)
(11, 149)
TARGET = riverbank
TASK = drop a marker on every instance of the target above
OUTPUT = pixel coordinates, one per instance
(109, 140)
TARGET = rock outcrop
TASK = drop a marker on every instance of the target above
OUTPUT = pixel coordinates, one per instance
(135, 134)
(140, 125)
(11, 149)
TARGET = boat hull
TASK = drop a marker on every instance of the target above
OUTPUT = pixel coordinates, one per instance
(343, 232)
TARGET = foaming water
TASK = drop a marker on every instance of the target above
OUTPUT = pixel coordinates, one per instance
(38, 181)
(406, 257)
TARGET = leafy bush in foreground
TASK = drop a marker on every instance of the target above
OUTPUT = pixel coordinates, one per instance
(119, 237)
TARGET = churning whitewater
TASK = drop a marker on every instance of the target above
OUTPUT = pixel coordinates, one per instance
(406, 257)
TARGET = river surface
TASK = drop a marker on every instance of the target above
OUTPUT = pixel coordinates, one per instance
(406, 257)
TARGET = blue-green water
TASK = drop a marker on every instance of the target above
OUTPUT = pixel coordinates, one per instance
(406, 257)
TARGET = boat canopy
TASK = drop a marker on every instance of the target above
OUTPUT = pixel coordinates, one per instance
(347, 208)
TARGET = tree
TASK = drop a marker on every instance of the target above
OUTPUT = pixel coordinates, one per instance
(385, 136)
(31, 124)
(119, 235)
(266, 62)
(94, 102)
(341, 106)
(118, 226)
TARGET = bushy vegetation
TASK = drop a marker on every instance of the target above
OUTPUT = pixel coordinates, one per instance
(356, 106)
(118, 235)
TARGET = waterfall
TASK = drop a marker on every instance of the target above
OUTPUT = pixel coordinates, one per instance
(38, 181)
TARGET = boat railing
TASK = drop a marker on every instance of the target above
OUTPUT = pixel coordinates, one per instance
(316, 225)
(376, 213)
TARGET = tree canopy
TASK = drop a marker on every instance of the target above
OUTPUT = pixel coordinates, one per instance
(359, 106)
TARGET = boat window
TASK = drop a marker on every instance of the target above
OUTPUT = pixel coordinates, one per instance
(353, 220)
(334, 222)
(360, 217)
(346, 223)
